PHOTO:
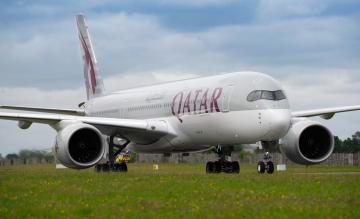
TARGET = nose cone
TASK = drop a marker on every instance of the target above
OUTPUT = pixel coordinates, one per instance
(278, 121)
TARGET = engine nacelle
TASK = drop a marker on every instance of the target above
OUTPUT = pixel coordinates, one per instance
(79, 146)
(308, 142)
(24, 124)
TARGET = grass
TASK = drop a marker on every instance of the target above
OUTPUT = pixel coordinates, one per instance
(178, 191)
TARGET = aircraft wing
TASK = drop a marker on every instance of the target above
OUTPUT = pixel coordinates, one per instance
(151, 127)
(326, 113)
(75, 112)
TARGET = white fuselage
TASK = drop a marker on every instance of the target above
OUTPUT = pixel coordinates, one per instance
(200, 112)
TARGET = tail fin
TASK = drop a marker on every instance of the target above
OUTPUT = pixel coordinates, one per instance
(93, 82)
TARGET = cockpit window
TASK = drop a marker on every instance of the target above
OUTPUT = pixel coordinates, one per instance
(279, 95)
(255, 95)
(266, 95)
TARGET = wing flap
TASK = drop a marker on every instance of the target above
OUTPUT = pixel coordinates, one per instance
(326, 113)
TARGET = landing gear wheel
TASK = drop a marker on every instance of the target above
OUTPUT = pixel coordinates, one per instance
(98, 168)
(209, 167)
(212, 167)
(227, 167)
(221, 166)
(270, 167)
(217, 168)
(261, 167)
(224, 163)
(116, 167)
(235, 167)
(123, 167)
(102, 167)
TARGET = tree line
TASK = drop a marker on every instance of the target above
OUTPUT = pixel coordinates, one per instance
(349, 145)
(25, 155)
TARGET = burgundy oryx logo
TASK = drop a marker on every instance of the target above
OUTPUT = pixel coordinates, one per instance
(89, 68)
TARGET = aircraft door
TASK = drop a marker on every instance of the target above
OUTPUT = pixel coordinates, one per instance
(121, 113)
(225, 104)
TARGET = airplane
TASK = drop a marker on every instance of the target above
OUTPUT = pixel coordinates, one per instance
(193, 115)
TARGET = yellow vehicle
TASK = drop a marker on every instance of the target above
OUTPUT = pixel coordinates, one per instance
(122, 158)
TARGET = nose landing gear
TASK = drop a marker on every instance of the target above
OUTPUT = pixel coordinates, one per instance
(266, 164)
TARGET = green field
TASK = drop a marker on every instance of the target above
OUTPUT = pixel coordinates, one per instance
(179, 191)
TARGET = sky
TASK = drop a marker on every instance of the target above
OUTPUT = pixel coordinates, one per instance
(312, 47)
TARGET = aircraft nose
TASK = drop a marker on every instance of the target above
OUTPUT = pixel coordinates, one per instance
(279, 123)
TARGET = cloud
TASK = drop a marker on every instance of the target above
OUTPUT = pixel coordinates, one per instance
(324, 89)
(198, 3)
(308, 43)
(141, 43)
(34, 54)
(37, 97)
(39, 137)
(279, 9)
(137, 79)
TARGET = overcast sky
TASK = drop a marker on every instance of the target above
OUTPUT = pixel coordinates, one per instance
(311, 46)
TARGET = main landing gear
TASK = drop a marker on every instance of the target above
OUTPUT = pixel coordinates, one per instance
(224, 164)
(107, 167)
(265, 165)
(114, 151)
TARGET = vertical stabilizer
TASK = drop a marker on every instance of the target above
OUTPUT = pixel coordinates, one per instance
(93, 82)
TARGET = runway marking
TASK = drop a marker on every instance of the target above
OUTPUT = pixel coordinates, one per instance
(331, 173)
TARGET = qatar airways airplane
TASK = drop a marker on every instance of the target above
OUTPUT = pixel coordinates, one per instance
(207, 113)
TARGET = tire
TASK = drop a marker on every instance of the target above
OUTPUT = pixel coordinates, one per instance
(217, 165)
(123, 167)
(209, 167)
(235, 167)
(270, 167)
(116, 167)
(212, 167)
(98, 168)
(261, 167)
(228, 167)
(106, 167)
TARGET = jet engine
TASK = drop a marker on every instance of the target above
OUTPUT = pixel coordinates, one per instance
(79, 146)
(307, 142)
